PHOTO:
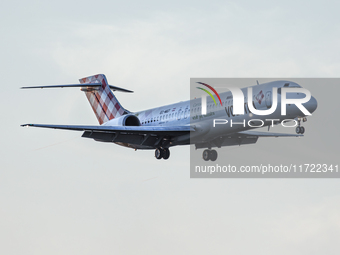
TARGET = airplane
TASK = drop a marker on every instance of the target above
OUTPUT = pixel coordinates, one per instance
(181, 123)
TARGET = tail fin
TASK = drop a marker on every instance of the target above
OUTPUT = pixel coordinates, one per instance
(104, 104)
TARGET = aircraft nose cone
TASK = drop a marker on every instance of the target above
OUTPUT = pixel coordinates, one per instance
(312, 104)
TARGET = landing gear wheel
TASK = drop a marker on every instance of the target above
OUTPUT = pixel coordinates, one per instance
(298, 130)
(206, 155)
(209, 155)
(213, 155)
(166, 153)
(158, 153)
(162, 153)
(302, 130)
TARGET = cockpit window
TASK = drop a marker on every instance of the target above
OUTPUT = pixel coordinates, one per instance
(288, 85)
(292, 85)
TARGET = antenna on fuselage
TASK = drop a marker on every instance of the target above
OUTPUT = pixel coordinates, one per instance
(257, 82)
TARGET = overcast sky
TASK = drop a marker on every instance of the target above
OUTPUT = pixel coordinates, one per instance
(63, 194)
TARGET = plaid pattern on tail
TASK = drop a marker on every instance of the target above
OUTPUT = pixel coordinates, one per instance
(104, 104)
(259, 97)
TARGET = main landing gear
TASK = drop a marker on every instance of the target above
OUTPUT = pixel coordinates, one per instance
(162, 153)
(209, 155)
(299, 129)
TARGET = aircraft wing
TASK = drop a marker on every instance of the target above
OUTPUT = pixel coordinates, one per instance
(173, 130)
(131, 136)
(267, 134)
(241, 138)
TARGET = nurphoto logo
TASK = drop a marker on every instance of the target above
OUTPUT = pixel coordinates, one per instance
(238, 99)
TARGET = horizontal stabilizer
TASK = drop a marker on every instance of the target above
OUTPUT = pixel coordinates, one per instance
(85, 85)
(267, 134)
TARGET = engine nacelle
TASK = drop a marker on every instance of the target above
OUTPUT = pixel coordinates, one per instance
(125, 120)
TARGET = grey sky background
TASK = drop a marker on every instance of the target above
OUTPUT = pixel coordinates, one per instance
(61, 194)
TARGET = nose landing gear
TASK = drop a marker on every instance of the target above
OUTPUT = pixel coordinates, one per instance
(299, 129)
(162, 153)
(209, 155)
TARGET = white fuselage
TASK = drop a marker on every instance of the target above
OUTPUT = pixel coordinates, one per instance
(189, 113)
